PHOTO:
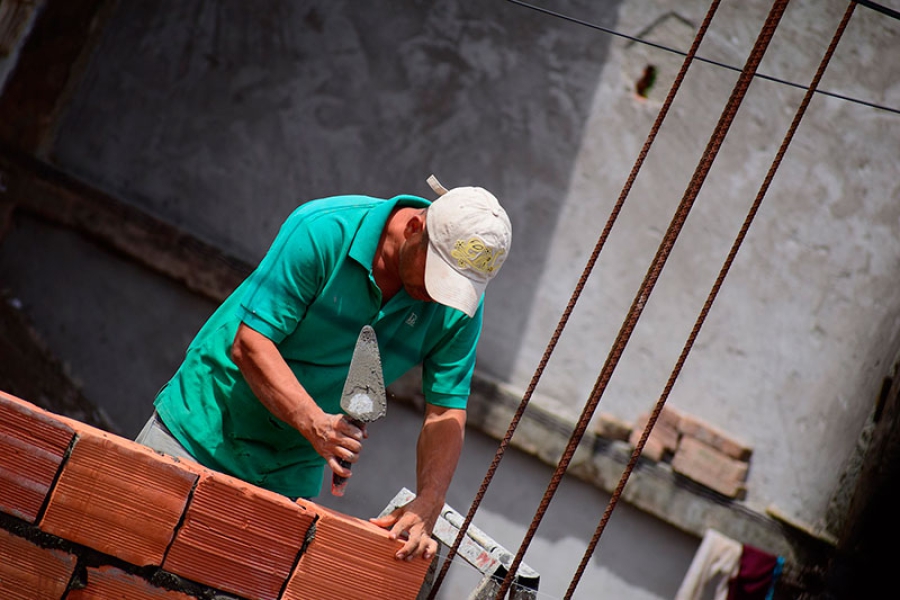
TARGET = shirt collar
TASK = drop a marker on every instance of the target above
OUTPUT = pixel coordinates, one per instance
(364, 245)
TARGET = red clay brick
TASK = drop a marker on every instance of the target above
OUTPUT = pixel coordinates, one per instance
(712, 436)
(665, 433)
(612, 428)
(110, 583)
(32, 446)
(352, 559)
(29, 572)
(706, 465)
(239, 538)
(118, 497)
(653, 448)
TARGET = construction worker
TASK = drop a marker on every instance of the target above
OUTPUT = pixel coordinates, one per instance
(258, 393)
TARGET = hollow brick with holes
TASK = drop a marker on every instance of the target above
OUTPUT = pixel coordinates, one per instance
(30, 572)
(353, 559)
(118, 497)
(32, 446)
(239, 538)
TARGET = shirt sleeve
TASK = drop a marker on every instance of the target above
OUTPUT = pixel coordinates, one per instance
(289, 277)
(447, 369)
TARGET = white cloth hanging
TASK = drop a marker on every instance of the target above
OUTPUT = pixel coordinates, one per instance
(716, 561)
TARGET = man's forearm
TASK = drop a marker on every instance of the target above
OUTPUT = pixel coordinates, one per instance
(438, 451)
(274, 384)
(271, 380)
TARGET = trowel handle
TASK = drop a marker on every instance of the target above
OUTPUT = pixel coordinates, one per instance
(338, 483)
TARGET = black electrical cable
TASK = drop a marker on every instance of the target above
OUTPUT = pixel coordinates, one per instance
(872, 5)
(879, 8)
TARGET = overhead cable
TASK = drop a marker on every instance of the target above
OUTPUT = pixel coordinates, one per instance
(872, 5)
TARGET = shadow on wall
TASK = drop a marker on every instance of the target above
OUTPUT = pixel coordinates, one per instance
(220, 118)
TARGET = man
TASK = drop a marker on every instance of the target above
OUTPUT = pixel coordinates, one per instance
(258, 393)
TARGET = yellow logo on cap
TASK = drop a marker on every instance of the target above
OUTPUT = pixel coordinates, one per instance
(475, 254)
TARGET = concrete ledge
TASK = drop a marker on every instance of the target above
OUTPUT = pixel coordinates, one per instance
(652, 487)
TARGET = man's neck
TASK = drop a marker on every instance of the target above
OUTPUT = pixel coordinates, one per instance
(385, 265)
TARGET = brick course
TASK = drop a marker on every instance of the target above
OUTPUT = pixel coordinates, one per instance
(110, 583)
(29, 572)
(146, 517)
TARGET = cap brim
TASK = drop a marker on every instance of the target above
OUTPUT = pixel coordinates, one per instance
(447, 286)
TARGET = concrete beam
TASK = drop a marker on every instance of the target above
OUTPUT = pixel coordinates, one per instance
(39, 189)
(652, 487)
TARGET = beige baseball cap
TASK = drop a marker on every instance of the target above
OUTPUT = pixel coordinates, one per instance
(469, 237)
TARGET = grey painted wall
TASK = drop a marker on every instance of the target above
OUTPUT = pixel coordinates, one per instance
(221, 117)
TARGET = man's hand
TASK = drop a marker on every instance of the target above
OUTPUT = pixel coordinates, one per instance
(437, 453)
(413, 523)
(335, 438)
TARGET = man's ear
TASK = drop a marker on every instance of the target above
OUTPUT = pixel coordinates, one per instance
(415, 224)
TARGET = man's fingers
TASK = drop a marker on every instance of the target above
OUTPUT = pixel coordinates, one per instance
(338, 468)
(386, 521)
(420, 544)
(431, 549)
(349, 455)
(403, 524)
(350, 429)
(409, 527)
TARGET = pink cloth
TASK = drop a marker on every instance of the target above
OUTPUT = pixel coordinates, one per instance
(755, 575)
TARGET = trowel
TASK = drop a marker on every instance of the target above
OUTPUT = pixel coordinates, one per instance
(363, 399)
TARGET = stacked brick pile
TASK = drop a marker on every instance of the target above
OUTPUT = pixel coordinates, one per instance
(87, 515)
(695, 449)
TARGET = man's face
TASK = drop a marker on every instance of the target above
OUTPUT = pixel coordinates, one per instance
(412, 266)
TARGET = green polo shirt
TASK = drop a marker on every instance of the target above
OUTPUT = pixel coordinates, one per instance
(311, 295)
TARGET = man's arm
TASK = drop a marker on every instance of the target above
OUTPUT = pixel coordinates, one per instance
(273, 382)
(437, 453)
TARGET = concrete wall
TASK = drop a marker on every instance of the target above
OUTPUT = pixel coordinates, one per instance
(794, 351)
(220, 118)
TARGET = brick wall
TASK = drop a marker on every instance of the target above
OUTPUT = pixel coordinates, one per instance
(88, 515)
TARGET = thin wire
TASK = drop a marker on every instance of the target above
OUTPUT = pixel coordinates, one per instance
(713, 294)
(879, 8)
(716, 63)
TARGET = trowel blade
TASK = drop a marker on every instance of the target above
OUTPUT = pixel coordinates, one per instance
(364, 398)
